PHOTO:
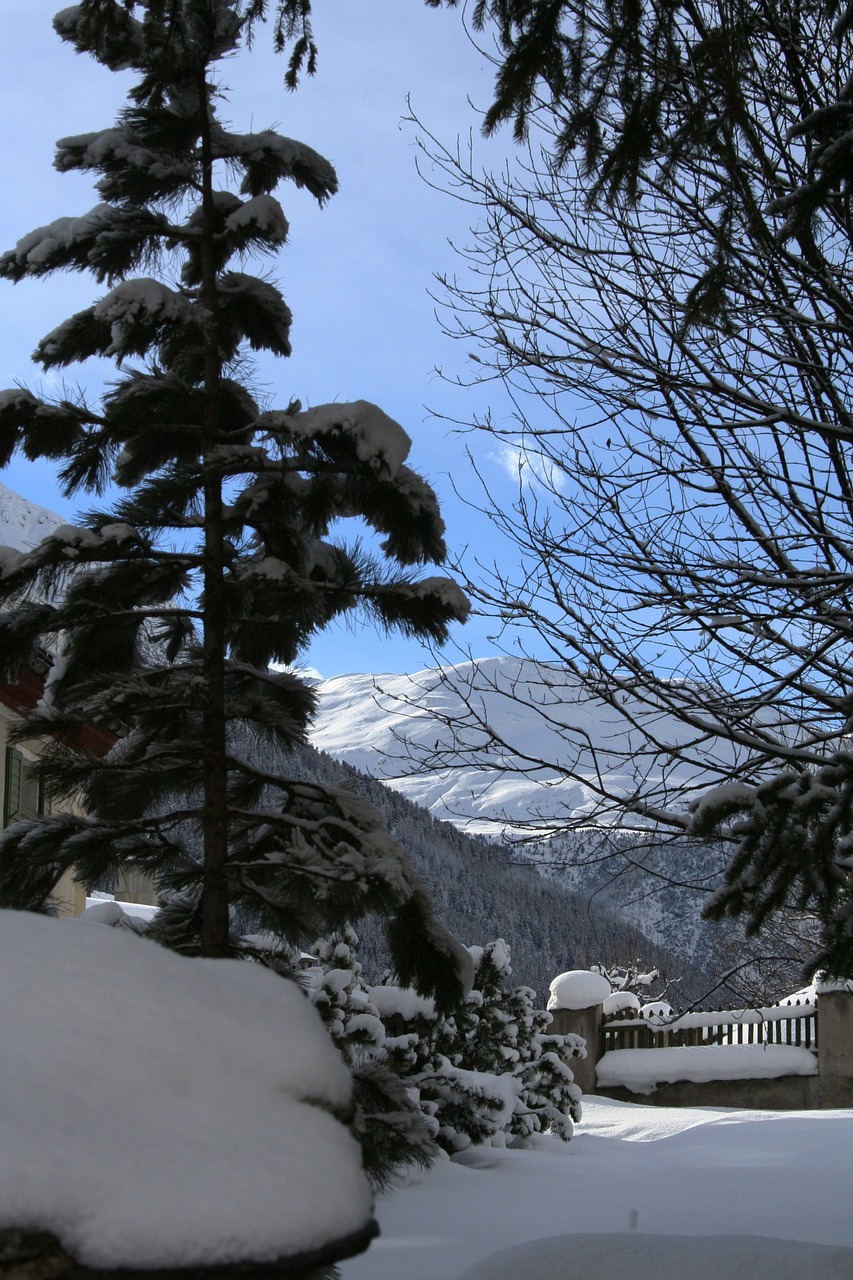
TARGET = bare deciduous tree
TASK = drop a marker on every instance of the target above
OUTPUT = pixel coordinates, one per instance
(681, 368)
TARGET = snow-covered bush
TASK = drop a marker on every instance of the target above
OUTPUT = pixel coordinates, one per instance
(488, 1073)
(387, 1119)
(502, 1040)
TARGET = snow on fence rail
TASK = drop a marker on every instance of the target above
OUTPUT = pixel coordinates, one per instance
(794, 1024)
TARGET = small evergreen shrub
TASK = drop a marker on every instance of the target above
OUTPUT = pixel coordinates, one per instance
(489, 1073)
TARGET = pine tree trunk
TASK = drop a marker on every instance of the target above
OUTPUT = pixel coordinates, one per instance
(215, 918)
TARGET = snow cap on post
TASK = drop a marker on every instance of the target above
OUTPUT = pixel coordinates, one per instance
(621, 1002)
(578, 989)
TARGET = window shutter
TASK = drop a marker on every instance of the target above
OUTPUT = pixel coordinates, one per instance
(14, 786)
(44, 805)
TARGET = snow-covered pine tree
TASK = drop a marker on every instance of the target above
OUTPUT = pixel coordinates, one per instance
(489, 1071)
(163, 618)
(510, 1034)
(387, 1119)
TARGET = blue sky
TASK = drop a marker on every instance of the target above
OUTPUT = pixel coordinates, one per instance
(356, 275)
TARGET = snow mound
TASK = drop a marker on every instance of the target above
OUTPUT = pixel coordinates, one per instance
(827, 984)
(196, 1132)
(641, 1070)
(641, 1257)
(401, 1001)
(659, 1011)
(621, 1002)
(578, 989)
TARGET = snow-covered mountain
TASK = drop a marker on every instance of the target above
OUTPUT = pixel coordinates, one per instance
(23, 524)
(401, 729)
(420, 734)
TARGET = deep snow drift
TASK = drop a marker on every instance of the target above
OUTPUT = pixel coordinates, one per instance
(161, 1111)
(631, 1174)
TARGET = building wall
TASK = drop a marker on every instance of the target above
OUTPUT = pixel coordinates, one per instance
(69, 896)
(135, 886)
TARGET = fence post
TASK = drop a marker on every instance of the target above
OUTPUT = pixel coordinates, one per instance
(586, 1023)
(835, 1048)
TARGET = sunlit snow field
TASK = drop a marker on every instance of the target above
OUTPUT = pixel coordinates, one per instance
(633, 1173)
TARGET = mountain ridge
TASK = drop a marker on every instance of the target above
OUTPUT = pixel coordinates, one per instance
(476, 743)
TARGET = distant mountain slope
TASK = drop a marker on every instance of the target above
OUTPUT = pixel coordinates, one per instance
(383, 725)
(386, 724)
(23, 524)
(481, 893)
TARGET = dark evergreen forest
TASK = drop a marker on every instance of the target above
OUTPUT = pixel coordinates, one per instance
(483, 891)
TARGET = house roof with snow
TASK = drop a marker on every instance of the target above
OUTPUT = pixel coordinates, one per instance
(22, 692)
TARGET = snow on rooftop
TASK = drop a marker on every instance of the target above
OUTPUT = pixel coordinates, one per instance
(196, 1131)
(805, 995)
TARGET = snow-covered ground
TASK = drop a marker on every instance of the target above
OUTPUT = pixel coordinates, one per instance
(631, 1175)
(126, 1136)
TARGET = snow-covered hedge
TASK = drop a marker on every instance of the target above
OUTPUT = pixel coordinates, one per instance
(490, 1073)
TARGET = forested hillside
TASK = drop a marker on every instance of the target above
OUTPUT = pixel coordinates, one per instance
(482, 893)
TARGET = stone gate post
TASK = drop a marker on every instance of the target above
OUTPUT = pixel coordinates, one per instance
(576, 1009)
(835, 1047)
